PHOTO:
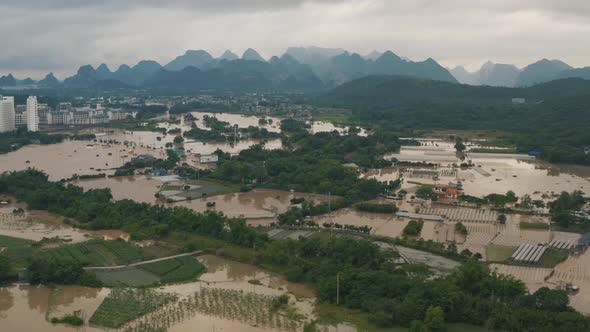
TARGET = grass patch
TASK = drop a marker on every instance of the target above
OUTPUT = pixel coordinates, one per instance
(552, 257)
(331, 314)
(220, 247)
(131, 277)
(533, 225)
(124, 305)
(497, 253)
(17, 250)
(336, 116)
(176, 269)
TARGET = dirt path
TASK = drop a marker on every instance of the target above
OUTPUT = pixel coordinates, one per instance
(120, 267)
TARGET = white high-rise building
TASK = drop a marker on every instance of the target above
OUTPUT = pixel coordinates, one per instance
(7, 114)
(32, 114)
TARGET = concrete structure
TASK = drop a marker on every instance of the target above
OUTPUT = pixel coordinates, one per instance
(208, 158)
(20, 119)
(32, 114)
(7, 114)
(518, 101)
(122, 115)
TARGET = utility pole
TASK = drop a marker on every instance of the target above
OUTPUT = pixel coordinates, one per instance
(338, 288)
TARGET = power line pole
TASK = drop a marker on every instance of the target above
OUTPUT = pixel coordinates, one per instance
(338, 288)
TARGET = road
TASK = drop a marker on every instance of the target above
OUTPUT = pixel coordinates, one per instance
(120, 267)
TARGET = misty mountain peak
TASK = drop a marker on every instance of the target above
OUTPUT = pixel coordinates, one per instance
(229, 55)
(251, 54)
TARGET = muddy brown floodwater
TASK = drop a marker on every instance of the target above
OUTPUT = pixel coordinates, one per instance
(62, 160)
(255, 204)
(25, 308)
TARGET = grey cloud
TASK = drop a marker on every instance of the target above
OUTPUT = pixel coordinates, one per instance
(61, 35)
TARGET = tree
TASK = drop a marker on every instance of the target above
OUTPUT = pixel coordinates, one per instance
(425, 192)
(178, 140)
(435, 319)
(502, 218)
(418, 326)
(526, 201)
(5, 268)
(551, 299)
(459, 146)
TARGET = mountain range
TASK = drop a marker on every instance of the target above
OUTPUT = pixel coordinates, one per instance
(507, 75)
(299, 69)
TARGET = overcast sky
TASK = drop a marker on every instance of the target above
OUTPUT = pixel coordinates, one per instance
(39, 36)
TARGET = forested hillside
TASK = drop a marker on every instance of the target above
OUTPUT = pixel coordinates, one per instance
(554, 118)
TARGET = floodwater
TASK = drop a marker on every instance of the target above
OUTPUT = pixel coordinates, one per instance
(37, 225)
(383, 174)
(224, 273)
(522, 177)
(62, 160)
(243, 121)
(140, 188)
(24, 308)
(321, 126)
(495, 172)
(255, 204)
(158, 141)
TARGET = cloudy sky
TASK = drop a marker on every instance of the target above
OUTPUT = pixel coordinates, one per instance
(39, 36)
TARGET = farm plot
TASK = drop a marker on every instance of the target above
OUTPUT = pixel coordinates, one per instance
(129, 277)
(176, 269)
(250, 308)
(102, 253)
(16, 249)
(124, 305)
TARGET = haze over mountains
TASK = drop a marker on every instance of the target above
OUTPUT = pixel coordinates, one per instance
(507, 75)
(299, 69)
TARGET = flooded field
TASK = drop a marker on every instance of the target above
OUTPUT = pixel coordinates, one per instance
(158, 141)
(492, 173)
(255, 204)
(24, 308)
(63, 160)
(243, 121)
(523, 177)
(27, 308)
(140, 188)
(321, 127)
(382, 224)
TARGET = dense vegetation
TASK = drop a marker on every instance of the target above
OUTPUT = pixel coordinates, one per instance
(553, 121)
(94, 209)
(312, 163)
(376, 208)
(368, 280)
(563, 210)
